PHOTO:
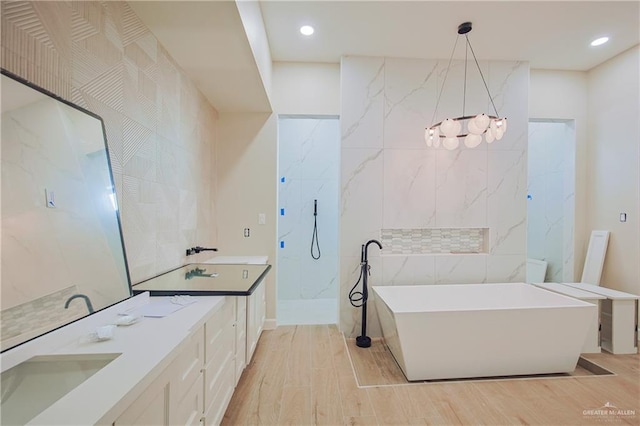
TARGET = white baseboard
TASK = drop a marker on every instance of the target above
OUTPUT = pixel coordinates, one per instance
(270, 324)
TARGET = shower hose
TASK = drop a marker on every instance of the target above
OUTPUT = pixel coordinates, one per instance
(357, 298)
(314, 237)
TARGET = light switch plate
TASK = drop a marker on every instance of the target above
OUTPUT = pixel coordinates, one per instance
(51, 198)
(623, 217)
(262, 219)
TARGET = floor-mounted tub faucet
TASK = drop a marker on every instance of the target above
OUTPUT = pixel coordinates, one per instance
(359, 299)
(82, 296)
(366, 248)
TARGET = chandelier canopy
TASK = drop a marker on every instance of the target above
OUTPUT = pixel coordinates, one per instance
(470, 128)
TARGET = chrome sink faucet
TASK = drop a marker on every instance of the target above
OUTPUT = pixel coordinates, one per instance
(82, 296)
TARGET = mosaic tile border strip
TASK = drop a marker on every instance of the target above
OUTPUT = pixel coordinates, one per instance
(41, 312)
(434, 241)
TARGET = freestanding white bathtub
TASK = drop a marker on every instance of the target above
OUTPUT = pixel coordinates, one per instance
(481, 330)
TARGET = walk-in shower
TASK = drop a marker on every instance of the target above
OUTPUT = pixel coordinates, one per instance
(308, 200)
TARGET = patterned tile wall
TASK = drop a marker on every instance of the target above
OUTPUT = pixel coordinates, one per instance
(160, 129)
(433, 240)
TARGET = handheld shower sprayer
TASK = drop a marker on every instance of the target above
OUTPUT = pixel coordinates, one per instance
(359, 299)
(314, 236)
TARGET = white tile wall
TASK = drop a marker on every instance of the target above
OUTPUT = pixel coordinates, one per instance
(551, 188)
(307, 153)
(390, 180)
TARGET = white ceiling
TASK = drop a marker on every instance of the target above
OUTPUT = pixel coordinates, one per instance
(208, 40)
(548, 34)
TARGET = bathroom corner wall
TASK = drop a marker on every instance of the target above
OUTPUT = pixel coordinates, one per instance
(247, 158)
(391, 180)
(613, 158)
(563, 95)
(160, 129)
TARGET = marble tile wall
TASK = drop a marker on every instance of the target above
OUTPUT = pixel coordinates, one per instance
(307, 153)
(390, 180)
(160, 128)
(551, 197)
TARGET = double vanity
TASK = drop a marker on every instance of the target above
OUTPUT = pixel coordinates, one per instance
(164, 368)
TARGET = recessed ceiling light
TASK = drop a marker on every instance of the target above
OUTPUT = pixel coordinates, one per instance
(306, 30)
(599, 41)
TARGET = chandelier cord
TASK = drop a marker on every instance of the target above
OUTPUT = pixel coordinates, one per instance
(481, 75)
(435, 112)
(464, 90)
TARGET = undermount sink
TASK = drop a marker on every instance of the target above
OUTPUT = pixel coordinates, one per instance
(35, 384)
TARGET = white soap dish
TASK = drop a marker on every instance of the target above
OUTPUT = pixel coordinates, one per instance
(126, 320)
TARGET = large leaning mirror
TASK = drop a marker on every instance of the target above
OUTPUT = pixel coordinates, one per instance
(62, 249)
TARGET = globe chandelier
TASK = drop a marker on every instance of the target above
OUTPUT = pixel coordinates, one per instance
(470, 128)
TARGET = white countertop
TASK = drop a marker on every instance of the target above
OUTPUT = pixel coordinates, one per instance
(251, 260)
(608, 292)
(147, 348)
(570, 291)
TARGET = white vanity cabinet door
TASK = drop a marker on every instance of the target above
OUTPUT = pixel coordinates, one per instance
(188, 411)
(219, 370)
(188, 365)
(152, 407)
(241, 337)
(176, 396)
(255, 318)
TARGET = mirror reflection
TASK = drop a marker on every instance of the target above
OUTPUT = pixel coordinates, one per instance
(62, 250)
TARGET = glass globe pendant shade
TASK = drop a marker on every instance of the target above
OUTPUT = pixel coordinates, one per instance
(473, 128)
(450, 128)
(478, 124)
(431, 135)
(451, 143)
(502, 123)
(482, 121)
(488, 137)
(427, 138)
(471, 140)
(496, 128)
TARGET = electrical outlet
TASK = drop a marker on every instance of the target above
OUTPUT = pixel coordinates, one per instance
(247, 232)
(190, 251)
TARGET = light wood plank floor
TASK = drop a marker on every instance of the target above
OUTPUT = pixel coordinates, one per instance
(302, 375)
(375, 366)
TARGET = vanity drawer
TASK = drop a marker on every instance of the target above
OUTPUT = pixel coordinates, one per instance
(221, 350)
(189, 363)
(219, 390)
(188, 411)
(215, 327)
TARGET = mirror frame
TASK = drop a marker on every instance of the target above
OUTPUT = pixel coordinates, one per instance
(55, 97)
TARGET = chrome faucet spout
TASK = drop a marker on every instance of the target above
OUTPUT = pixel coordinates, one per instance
(82, 296)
